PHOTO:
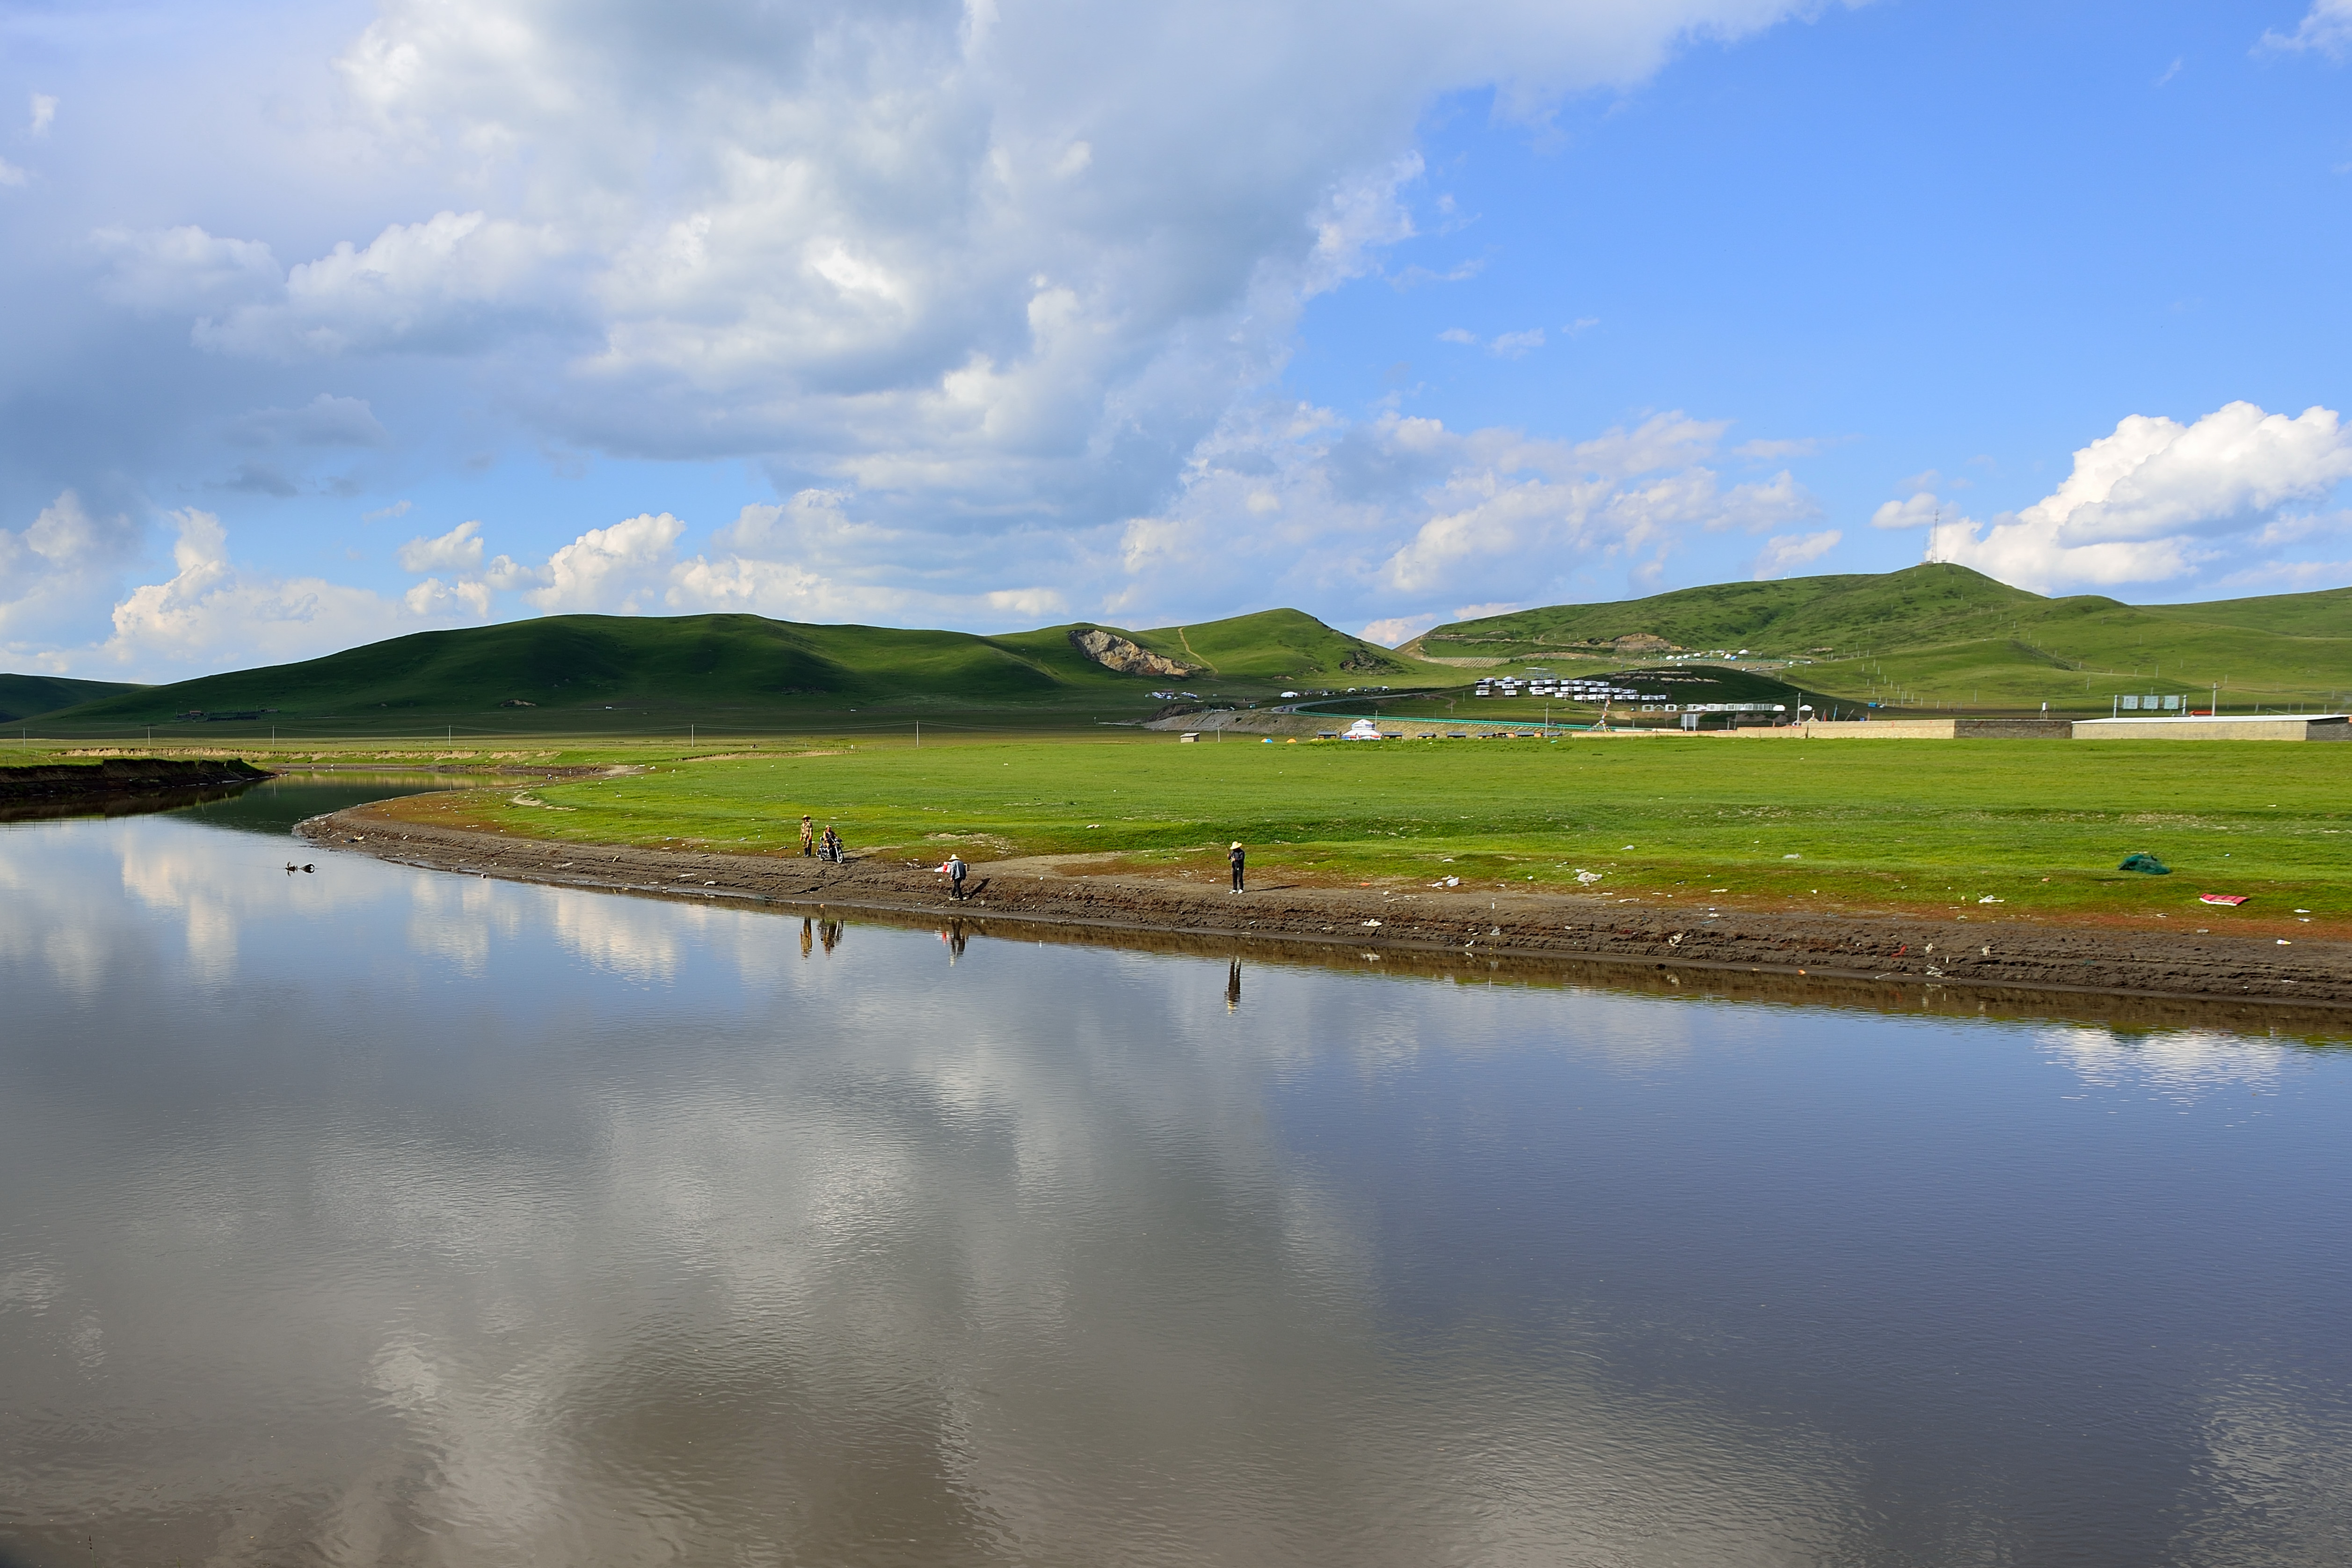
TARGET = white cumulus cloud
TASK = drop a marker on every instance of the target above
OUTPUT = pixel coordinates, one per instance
(1630, 495)
(451, 284)
(59, 568)
(622, 569)
(460, 549)
(805, 559)
(1925, 508)
(1391, 630)
(994, 267)
(210, 611)
(182, 269)
(1395, 512)
(2154, 499)
(1784, 553)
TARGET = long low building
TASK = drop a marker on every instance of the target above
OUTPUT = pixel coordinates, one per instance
(1956, 729)
(2224, 727)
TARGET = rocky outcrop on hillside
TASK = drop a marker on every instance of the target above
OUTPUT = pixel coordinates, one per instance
(1124, 655)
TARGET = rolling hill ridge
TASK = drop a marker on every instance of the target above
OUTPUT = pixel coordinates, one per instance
(1930, 638)
(562, 671)
(32, 695)
(1940, 635)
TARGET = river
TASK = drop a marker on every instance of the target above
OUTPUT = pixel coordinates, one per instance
(374, 1215)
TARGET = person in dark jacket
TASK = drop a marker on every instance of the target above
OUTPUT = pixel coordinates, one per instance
(956, 870)
(1235, 856)
(832, 851)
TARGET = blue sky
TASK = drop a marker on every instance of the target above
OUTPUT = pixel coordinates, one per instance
(337, 321)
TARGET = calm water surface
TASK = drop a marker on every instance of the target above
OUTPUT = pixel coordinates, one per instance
(385, 1217)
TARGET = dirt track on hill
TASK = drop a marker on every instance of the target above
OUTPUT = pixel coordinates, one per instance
(1968, 951)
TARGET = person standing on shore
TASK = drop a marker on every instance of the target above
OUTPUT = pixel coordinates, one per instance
(808, 837)
(1237, 858)
(957, 870)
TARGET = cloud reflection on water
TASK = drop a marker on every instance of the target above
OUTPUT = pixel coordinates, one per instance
(2181, 1063)
(456, 917)
(511, 1224)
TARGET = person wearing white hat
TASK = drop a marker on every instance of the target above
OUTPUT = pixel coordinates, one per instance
(956, 870)
(1236, 857)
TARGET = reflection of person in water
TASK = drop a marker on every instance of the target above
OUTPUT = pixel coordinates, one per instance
(954, 936)
(807, 932)
(1234, 986)
(829, 934)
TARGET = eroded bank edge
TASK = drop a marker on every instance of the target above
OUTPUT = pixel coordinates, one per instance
(1179, 923)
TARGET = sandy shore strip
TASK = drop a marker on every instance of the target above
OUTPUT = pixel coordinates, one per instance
(1978, 950)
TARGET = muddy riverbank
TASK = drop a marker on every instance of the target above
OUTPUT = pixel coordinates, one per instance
(1966, 951)
(118, 781)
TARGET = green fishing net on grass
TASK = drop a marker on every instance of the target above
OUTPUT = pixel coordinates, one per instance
(2145, 862)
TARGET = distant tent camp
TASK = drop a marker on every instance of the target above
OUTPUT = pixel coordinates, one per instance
(1363, 729)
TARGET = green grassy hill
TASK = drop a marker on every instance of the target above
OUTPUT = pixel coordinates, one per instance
(1793, 616)
(1286, 646)
(1942, 636)
(31, 696)
(573, 673)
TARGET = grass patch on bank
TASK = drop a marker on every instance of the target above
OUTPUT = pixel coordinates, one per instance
(2039, 827)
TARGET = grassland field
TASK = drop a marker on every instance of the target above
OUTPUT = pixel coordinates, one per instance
(1924, 825)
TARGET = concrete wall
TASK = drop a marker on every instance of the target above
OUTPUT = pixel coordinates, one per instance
(2221, 729)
